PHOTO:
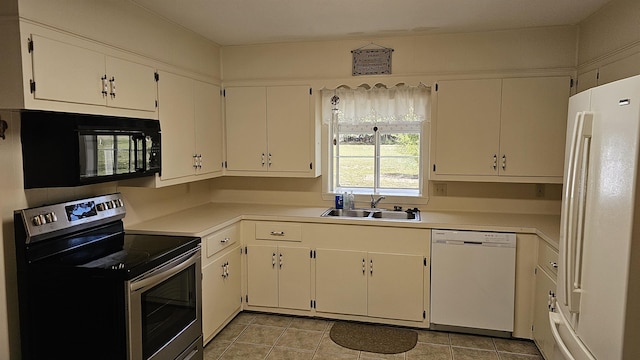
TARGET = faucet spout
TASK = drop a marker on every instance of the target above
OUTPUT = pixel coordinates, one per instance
(374, 201)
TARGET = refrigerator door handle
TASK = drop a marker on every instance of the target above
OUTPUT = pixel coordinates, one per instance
(554, 319)
(569, 209)
(578, 350)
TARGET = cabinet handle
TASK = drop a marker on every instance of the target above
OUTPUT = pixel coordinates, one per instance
(504, 162)
(280, 260)
(195, 161)
(371, 268)
(277, 233)
(273, 260)
(262, 159)
(495, 162)
(112, 85)
(364, 266)
(199, 160)
(105, 85)
(553, 264)
(269, 159)
(225, 240)
(227, 268)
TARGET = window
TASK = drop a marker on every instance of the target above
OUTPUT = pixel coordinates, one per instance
(376, 139)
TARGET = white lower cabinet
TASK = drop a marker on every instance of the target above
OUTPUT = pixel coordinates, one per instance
(372, 272)
(221, 280)
(546, 271)
(381, 285)
(278, 266)
(279, 276)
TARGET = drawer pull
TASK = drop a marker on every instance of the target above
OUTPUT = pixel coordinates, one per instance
(553, 264)
(225, 240)
(277, 233)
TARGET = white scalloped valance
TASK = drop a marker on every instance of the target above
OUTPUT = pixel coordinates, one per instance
(376, 105)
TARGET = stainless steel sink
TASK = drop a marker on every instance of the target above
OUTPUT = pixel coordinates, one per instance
(346, 212)
(374, 213)
(396, 215)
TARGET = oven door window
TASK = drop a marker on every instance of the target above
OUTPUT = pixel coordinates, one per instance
(167, 309)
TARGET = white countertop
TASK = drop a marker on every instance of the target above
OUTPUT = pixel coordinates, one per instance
(205, 219)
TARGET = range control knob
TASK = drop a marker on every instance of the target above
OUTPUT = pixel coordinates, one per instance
(50, 217)
(38, 220)
(119, 203)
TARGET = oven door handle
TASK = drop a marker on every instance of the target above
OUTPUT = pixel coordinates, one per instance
(166, 271)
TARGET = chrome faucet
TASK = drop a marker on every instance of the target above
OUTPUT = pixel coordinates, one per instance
(374, 201)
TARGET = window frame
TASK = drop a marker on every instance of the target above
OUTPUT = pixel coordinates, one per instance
(384, 128)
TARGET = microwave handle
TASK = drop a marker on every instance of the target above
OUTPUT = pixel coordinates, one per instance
(140, 141)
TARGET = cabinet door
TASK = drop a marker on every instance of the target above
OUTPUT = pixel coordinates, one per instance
(294, 278)
(208, 126)
(541, 328)
(289, 128)
(262, 275)
(65, 72)
(246, 128)
(533, 126)
(175, 99)
(221, 291)
(341, 281)
(467, 127)
(132, 85)
(396, 286)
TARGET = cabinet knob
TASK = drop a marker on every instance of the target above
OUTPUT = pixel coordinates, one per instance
(553, 264)
(225, 240)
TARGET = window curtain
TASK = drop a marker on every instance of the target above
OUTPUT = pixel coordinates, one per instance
(378, 105)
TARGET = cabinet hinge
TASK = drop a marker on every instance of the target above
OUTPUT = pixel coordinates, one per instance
(156, 103)
(436, 86)
(32, 86)
(310, 91)
(434, 167)
(424, 261)
(224, 92)
(598, 75)
(310, 166)
(246, 298)
(571, 83)
(424, 314)
(225, 164)
(156, 76)
(240, 299)
(30, 45)
(532, 328)
(312, 304)
(245, 250)
(535, 271)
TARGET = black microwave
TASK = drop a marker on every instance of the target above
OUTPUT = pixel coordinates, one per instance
(67, 149)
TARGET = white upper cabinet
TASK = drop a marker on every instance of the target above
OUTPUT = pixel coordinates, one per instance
(270, 131)
(65, 71)
(506, 130)
(191, 126)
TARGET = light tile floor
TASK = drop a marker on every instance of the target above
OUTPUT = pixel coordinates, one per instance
(265, 336)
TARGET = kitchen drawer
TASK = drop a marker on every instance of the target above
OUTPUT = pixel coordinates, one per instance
(278, 231)
(548, 258)
(221, 239)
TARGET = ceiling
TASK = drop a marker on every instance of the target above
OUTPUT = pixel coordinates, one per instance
(238, 22)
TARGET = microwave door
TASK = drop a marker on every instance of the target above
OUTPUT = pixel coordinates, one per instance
(139, 151)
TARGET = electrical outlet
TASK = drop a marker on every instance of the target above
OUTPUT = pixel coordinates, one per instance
(539, 190)
(440, 189)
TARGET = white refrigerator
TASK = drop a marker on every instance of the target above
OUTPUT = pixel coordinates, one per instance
(598, 286)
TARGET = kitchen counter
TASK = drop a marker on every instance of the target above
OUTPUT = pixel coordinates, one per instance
(205, 219)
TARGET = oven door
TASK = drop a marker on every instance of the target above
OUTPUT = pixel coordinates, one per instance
(164, 310)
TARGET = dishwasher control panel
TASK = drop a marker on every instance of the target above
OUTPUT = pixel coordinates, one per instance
(460, 237)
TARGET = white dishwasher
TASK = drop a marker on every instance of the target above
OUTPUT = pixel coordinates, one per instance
(473, 281)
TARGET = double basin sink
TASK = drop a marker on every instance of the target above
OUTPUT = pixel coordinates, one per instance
(374, 213)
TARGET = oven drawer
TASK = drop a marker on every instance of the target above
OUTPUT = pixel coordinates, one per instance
(281, 231)
(221, 239)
